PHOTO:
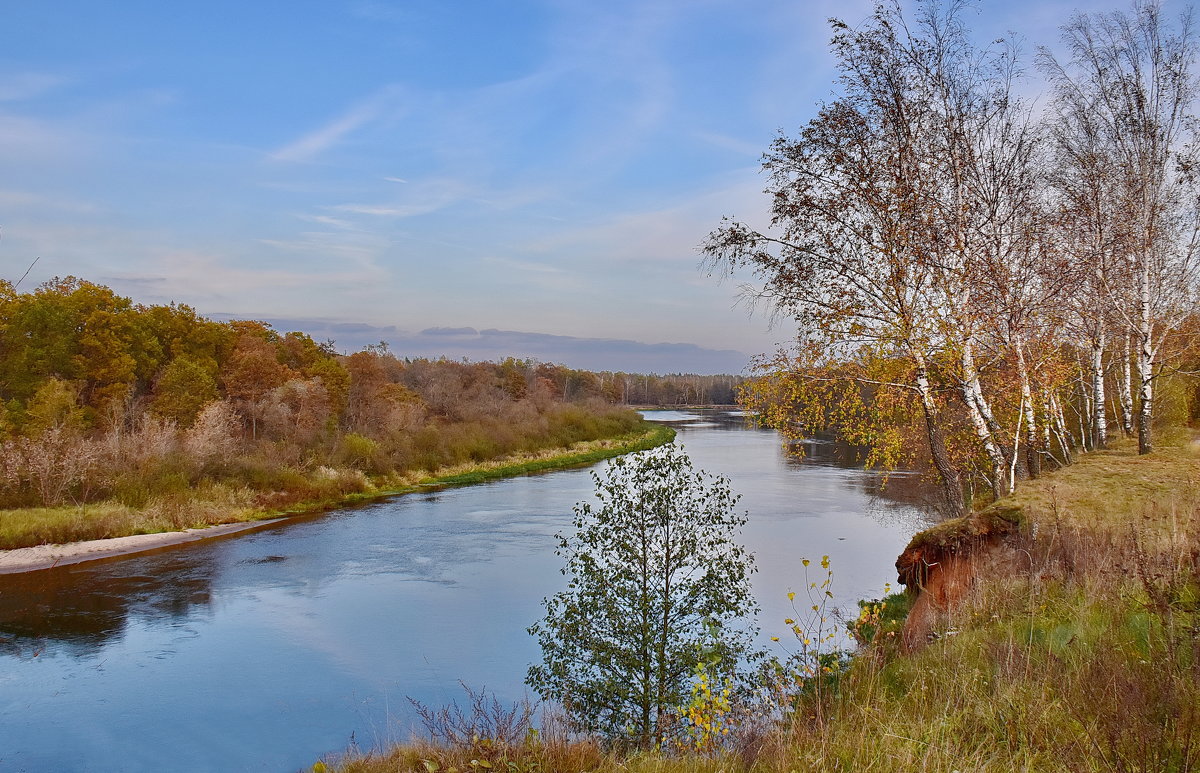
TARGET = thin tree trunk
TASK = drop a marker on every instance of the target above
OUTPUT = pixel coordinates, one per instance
(1145, 362)
(979, 412)
(647, 635)
(664, 634)
(1099, 419)
(1050, 432)
(1084, 410)
(1145, 397)
(1125, 388)
(1065, 440)
(1012, 469)
(1032, 446)
(952, 491)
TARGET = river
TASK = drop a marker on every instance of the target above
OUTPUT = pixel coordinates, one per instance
(267, 650)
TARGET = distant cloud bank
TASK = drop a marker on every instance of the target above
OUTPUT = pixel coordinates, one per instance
(491, 344)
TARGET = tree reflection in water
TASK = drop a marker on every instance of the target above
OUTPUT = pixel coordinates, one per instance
(79, 608)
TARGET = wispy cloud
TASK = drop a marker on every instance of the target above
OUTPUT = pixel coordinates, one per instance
(327, 220)
(24, 138)
(383, 210)
(670, 234)
(213, 281)
(316, 142)
(524, 265)
(739, 146)
(417, 199)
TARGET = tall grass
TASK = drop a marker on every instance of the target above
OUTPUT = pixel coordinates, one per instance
(168, 498)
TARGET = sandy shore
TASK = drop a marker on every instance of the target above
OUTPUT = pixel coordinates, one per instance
(48, 556)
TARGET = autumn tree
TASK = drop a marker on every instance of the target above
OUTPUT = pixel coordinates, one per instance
(1124, 96)
(55, 406)
(253, 371)
(856, 254)
(182, 390)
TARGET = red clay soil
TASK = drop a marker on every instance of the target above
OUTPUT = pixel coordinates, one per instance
(942, 564)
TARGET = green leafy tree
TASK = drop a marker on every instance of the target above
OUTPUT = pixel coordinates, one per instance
(655, 576)
(55, 405)
(182, 391)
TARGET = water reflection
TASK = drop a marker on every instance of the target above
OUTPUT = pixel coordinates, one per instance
(77, 609)
(903, 487)
(271, 648)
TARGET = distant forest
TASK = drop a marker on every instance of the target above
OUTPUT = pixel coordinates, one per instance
(104, 398)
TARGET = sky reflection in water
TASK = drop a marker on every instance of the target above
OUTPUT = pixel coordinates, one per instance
(264, 651)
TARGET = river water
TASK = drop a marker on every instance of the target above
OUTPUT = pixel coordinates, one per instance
(267, 650)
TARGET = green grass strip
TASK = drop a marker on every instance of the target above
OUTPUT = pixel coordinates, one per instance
(653, 437)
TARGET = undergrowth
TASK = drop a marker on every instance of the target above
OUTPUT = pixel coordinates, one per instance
(266, 492)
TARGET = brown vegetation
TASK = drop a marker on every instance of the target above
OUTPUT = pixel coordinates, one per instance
(132, 418)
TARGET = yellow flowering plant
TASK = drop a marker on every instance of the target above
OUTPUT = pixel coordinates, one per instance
(806, 678)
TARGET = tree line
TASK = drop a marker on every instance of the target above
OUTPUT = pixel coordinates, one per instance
(102, 398)
(988, 271)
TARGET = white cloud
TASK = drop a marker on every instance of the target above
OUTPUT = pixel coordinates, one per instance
(670, 234)
(382, 210)
(418, 199)
(326, 220)
(23, 139)
(316, 142)
(524, 265)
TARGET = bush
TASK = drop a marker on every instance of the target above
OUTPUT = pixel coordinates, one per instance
(359, 451)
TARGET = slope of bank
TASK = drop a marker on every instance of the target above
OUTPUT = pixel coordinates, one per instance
(126, 530)
(1062, 635)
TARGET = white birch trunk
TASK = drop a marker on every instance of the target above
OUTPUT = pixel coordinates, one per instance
(1099, 417)
(1065, 440)
(951, 485)
(1034, 459)
(1145, 361)
(979, 413)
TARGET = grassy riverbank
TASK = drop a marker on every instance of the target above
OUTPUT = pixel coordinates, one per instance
(1074, 646)
(212, 503)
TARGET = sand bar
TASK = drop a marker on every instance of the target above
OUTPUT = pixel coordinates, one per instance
(49, 556)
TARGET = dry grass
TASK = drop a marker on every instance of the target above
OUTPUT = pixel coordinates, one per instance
(208, 505)
(1106, 489)
(288, 491)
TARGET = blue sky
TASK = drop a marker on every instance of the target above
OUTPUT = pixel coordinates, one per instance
(542, 171)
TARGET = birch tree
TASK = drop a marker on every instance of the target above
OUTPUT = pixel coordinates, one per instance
(846, 254)
(902, 218)
(1129, 84)
(986, 207)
